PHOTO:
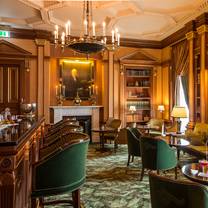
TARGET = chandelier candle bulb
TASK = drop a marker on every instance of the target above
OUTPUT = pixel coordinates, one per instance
(63, 38)
(56, 28)
(104, 34)
(93, 29)
(66, 28)
(69, 28)
(113, 33)
(116, 34)
(118, 39)
(85, 26)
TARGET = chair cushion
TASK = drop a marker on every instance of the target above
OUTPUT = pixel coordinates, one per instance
(110, 135)
(155, 123)
(197, 140)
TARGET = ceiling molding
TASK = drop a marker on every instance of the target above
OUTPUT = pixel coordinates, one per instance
(126, 42)
(136, 43)
(26, 33)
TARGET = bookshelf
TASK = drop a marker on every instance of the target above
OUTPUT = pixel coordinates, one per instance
(138, 93)
(197, 87)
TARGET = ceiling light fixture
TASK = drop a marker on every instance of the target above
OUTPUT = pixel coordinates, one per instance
(88, 42)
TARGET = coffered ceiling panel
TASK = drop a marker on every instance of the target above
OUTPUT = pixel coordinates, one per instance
(142, 19)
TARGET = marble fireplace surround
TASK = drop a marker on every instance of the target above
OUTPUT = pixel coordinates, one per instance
(96, 112)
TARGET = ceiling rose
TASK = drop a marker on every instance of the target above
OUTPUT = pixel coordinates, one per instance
(88, 42)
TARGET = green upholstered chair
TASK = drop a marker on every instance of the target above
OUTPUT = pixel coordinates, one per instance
(169, 193)
(157, 155)
(156, 125)
(133, 137)
(198, 135)
(51, 128)
(61, 169)
(112, 124)
(59, 132)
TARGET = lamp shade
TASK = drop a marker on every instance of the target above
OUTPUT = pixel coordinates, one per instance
(161, 108)
(179, 112)
(132, 108)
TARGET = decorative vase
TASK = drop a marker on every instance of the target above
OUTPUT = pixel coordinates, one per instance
(77, 99)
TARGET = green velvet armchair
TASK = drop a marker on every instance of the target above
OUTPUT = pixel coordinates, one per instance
(133, 137)
(168, 193)
(157, 155)
(61, 169)
(59, 132)
(50, 129)
(198, 135)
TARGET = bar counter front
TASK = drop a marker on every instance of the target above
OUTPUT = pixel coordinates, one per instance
(19, 149)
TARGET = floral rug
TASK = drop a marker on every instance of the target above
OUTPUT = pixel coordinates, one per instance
(111, 184)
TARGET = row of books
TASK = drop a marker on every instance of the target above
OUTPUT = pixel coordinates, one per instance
(142, 83)
(138, 72)
(139, 104)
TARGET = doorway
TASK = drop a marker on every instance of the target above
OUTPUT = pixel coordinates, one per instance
(10, 87)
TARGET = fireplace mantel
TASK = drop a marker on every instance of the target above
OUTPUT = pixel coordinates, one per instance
(96, 112)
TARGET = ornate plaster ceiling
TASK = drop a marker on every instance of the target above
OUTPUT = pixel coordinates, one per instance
(138, 19)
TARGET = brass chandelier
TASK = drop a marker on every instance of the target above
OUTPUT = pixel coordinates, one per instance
(88, 42)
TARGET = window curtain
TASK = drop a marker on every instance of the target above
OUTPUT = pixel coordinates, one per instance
(180, 66)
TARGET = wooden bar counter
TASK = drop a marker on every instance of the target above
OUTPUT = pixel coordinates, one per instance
(19, 148)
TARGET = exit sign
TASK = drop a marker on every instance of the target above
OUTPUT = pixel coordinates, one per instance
(4, 34)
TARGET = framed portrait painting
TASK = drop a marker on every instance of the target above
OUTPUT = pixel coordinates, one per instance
(77, 76)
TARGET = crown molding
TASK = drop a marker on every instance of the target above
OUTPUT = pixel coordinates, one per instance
(136, 43)
(26, 33)
(200, 22)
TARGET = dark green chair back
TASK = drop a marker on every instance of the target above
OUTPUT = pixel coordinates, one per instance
(168, 193)
(133, 141)
(63, 170)
(157, 154)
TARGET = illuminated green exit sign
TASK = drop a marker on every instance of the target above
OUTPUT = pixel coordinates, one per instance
(5, 34)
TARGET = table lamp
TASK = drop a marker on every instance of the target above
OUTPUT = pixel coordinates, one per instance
(132, 108)
(161, 108)
(179, 112)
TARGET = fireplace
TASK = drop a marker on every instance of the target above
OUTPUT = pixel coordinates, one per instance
(85, 122)
(95, 113)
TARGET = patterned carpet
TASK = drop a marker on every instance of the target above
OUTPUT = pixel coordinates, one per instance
(111, 184)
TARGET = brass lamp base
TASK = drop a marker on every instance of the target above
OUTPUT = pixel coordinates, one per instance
(178, 126)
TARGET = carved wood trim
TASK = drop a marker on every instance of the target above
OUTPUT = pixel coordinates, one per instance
(27, 34)
(7, 48)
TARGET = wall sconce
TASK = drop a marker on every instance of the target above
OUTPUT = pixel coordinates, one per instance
(27, 65)
(121, 69)
(154, 72)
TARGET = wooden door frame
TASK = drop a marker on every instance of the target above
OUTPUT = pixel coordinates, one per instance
(24, 91)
